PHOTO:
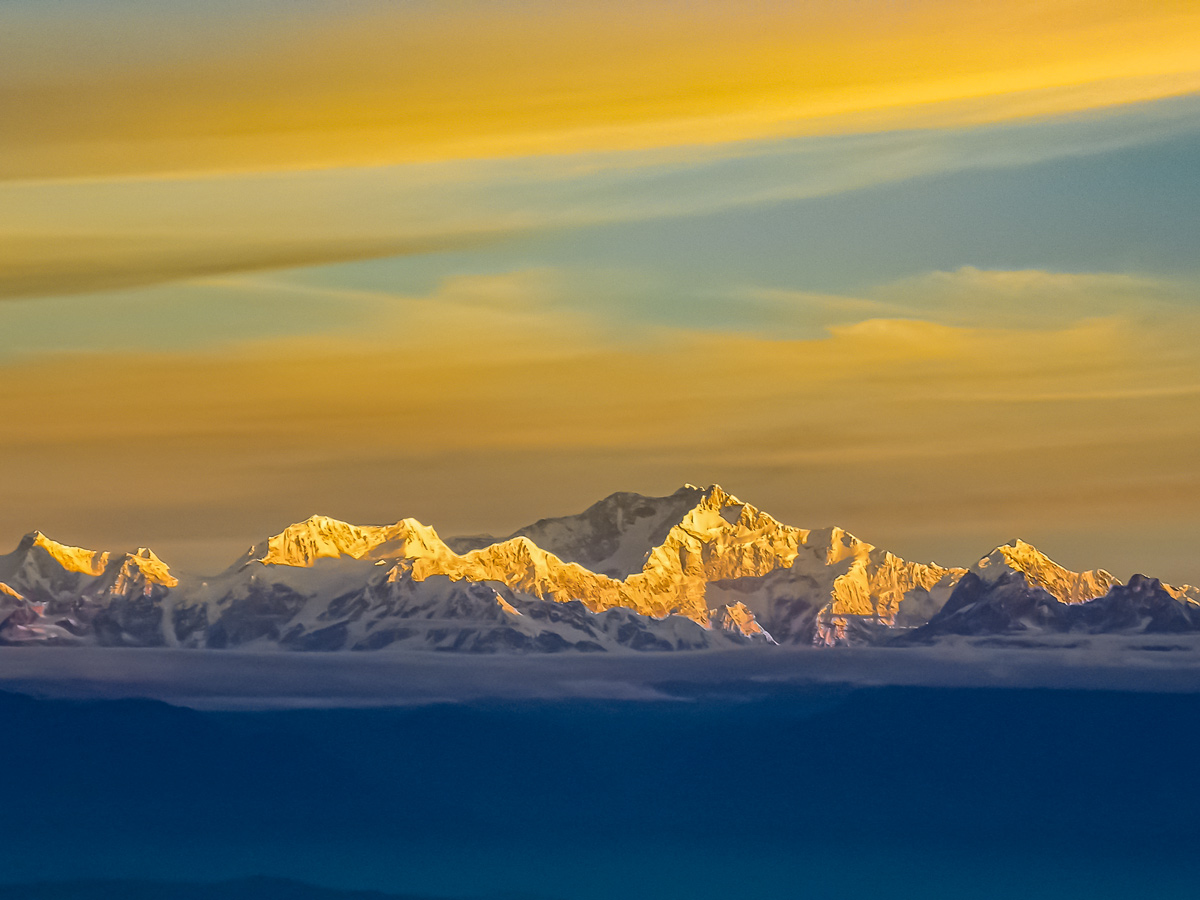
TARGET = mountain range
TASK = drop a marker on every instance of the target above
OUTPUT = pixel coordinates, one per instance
(699, 569)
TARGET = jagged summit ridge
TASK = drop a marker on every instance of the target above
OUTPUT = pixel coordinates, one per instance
(45, 571)
(1041, 571)
(57, 594)
(322, 537)
(71, 559)
(694, 569)
(145, 568)
(612, 537)
(702, 534)
(1013, 605)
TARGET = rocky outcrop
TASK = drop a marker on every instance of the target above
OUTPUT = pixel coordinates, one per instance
(1011, 605)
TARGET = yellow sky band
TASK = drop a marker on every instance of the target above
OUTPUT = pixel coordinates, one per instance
(394, 83)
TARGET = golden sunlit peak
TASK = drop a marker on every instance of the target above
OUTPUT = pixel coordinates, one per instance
(73, 559)
(713, 495)
(1040, 570)
(152, 569)
(322, 537)
(707, 490)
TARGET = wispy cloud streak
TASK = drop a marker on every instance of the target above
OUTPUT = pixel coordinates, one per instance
(80, 236)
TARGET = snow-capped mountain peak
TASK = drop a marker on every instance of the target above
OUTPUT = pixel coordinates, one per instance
(143, 567)
(42, 570)
(722, 537)
(71, 559)
(1013, 605)
(322, 537)
(1041, 571)
(1185, 593)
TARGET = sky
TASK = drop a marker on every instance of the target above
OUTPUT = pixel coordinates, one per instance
(926, 270)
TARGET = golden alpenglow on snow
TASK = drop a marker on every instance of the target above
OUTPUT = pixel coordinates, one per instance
(696, 570)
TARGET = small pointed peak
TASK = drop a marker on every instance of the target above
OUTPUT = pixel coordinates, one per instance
(1139, 582)
(152, 569)
(416, 525)
(1042, 571)
(715, 495)
(73, 559)
(145, 557)
(1010, 551)
(524, 545)
(844, 537)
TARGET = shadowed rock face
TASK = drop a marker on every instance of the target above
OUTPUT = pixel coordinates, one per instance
(1011, 605)
(1142, 605)
(1005, 605)
(612, 537)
